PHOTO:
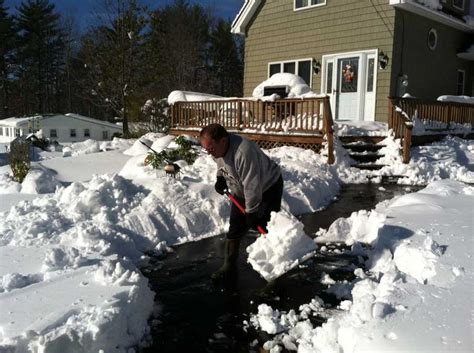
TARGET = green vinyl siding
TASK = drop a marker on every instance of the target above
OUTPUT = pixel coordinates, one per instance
(278, 33)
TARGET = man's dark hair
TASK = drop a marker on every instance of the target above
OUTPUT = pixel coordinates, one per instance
(214, 131)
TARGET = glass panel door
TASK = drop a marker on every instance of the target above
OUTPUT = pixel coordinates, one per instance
(347, 95)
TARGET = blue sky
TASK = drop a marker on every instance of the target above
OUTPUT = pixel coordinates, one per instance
(81, 10)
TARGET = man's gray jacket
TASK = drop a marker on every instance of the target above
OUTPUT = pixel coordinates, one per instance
(248, 171)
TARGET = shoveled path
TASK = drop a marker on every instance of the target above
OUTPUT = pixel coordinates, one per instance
(196, 315)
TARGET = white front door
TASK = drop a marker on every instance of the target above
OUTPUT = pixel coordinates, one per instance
(349, 80)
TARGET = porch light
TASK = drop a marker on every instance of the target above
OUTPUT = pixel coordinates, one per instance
(316, 66)
(383, 60)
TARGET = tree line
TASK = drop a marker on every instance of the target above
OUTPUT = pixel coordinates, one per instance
(130, 55)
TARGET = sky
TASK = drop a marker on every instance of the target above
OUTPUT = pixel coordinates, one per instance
(82, 10)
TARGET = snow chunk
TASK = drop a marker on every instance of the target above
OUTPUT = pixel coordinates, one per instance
(297, 86)
(284, 247)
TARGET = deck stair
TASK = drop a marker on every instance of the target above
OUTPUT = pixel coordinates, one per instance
(364, 150)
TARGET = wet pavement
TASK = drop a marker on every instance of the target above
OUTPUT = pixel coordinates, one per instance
(196, 315)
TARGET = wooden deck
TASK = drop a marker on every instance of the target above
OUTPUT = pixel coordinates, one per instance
(303, 123)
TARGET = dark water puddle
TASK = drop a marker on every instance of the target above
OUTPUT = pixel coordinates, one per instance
(196, 315)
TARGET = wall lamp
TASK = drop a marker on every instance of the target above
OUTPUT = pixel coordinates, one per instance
(316, 66)
(383, 60)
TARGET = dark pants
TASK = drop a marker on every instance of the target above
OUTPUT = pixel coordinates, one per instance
(271, 202)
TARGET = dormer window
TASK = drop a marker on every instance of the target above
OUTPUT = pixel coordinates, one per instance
(304, 4)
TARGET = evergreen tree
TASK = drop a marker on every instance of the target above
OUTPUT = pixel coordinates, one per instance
(180, 39)
(7, 58)
(226, 60)
(41, 56)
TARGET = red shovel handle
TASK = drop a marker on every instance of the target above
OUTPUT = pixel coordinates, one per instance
(242, 209)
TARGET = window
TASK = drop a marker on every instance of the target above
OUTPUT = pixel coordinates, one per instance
(460, 83)
(329, 77)
(7, 132)
(370, 75)
(304, 4)
(53, 133)
(1, 131)
(17, 132)
(73, 133)
(459, 4)
(105, 135)
(301, 68)
(87, 133)
(432, 39)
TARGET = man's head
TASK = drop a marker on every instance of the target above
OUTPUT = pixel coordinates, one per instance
(215, 140)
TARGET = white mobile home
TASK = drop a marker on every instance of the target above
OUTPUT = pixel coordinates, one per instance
(58, 127)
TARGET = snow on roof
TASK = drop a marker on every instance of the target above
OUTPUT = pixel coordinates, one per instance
(17, 122)
(92, 120)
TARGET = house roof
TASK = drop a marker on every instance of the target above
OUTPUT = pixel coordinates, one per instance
(92, 120)
(246, 13)
(435, 15)
(20, 122)
(239, 25)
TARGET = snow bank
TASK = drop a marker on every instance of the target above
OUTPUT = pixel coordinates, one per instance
(284, 247)
(420, 257)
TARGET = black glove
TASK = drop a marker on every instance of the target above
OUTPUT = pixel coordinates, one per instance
(221, 185)
(252, 220)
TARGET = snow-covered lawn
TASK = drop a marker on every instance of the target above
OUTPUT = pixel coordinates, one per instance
(74, 234)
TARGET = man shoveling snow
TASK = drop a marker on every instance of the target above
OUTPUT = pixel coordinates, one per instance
(256, 187)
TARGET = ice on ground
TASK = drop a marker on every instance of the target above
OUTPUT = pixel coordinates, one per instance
(284, 247)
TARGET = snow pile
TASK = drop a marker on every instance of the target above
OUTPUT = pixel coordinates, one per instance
(78, 148)
(362, 226)
(448, 158)
(186, 96)
(138, 148)
(39, 181)
(284, 247)
(360, 128)
(297, 86)
(8, 185)
(413, 266)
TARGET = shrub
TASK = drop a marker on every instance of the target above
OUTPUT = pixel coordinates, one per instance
(19, 159)
(155, 112)
(184, 152)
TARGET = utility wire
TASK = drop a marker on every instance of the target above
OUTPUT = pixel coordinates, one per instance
(382, 18)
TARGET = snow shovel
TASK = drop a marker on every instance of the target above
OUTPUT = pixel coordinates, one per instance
(242, 209)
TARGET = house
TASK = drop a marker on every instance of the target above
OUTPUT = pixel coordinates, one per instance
(361, 52)
(58, 127)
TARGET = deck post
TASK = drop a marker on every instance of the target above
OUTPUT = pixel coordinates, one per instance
(407, 142)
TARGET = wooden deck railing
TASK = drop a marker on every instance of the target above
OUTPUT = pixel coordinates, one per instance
(437, 116)
(282, 116)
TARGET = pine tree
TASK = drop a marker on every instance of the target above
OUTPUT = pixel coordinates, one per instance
(7, 58)
(41, 56)
(180, 38)
(226, 60)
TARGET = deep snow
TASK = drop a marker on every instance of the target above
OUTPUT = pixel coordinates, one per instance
(70, 257)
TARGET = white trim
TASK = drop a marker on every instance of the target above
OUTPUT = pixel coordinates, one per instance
(296, 67)
(362, 81)
(463, 82)
(438, 16)
(307, 6)
(435, 33)
(239, 25)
